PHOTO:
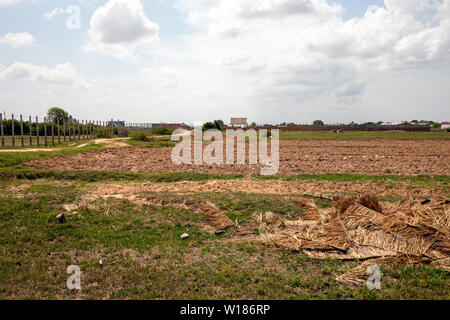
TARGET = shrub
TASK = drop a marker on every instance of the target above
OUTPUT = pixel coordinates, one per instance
(208, 126)
(140, 136)
(162, 131)
(104, 134)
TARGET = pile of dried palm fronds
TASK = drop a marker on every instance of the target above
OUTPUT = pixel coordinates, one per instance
(360, 228)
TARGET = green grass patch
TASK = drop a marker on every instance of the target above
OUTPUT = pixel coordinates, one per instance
(95, 176)
(145, 139)
(144, 257)
(8, 159)
(236, 205)
(361, 178)
(50, 145)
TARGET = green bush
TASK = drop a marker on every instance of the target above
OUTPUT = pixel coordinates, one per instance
(162, 131)
(216, 124)
(104, 134)
(140, 136)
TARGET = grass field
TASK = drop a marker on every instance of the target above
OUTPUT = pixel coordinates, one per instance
(26, 140)
(143, 256)
(139, 244)
(164, 141)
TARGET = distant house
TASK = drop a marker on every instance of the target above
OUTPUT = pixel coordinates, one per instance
(445, 125)
(397, 123)
(239, 123)
(117, 123)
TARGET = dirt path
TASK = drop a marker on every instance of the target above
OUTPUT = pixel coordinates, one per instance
(325, 189)
(109, 143)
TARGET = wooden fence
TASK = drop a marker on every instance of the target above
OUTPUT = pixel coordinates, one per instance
(20, 132)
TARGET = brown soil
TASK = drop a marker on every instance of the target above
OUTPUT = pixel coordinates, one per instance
(296, 157)
(324, 189)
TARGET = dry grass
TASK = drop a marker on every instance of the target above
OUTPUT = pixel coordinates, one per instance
(359, 228)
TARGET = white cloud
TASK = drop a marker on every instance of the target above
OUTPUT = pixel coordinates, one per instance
(348, 92)
(164, 77)
(12, 2)
(55, 12)
(395, 37)
(232, 17)
(18, 40)
(289, 51)
(270, 60)
(120, 28)
(9, 2)
(63, 74)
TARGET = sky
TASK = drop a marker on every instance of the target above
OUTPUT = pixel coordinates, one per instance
(197, 60)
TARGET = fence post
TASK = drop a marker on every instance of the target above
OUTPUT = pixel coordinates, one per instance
(31, 132)
(1, 129)
(68, 124)
(21, 131)
(53, 133)
(12, 130)
(37, 131)
(64, 130)
(59, 134)
(45, 132)
(79, 133)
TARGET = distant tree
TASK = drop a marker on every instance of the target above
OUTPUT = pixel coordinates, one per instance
(379, 123)
(209, 125)
(216, 124)
(219, 124)
(415, 121)
(57, 115)
(253, 124)
(318, 123)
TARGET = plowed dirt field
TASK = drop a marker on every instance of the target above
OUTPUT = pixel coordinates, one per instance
(296, 157)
